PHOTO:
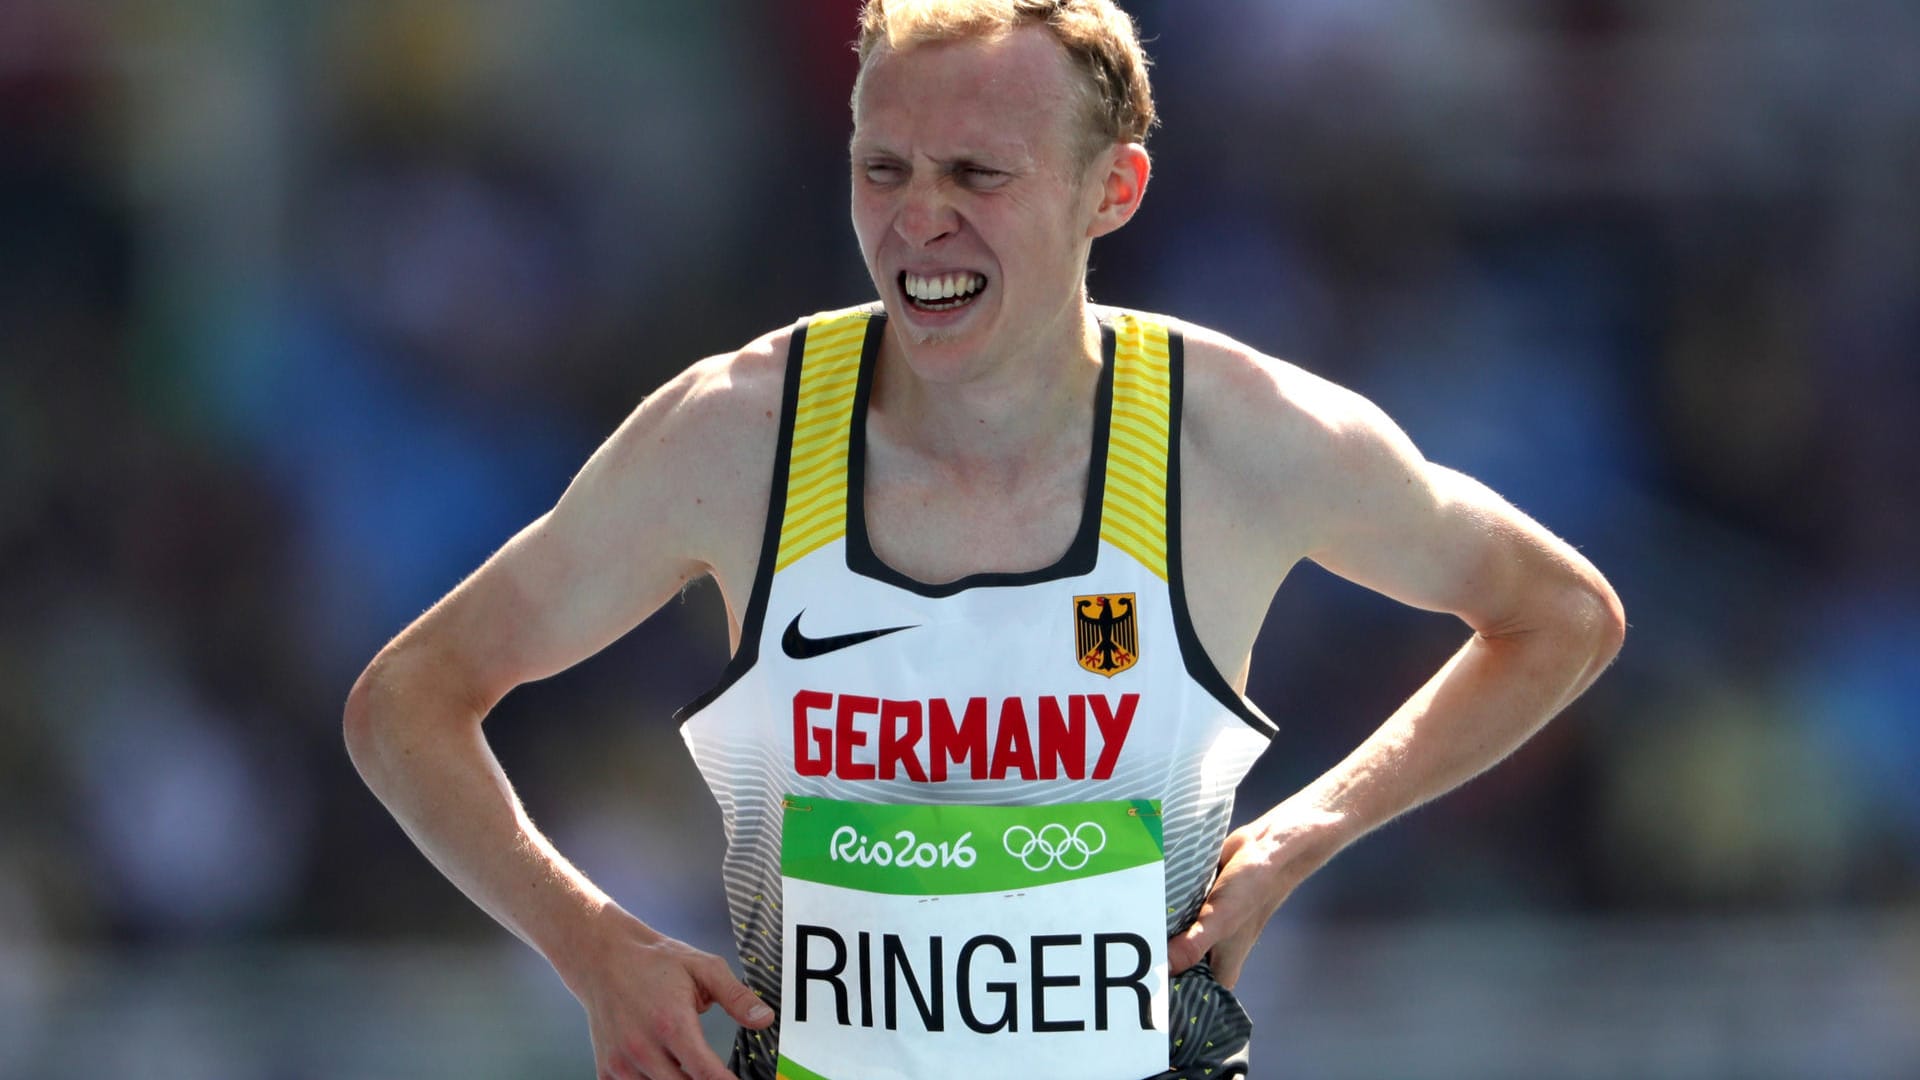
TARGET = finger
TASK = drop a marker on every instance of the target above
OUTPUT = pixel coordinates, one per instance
(688, 1045)
(732, 995)
(1187, 949)
(1229, 959)
(652, 1062)
(696, 1058)
(1232, 844)
(613, 1065)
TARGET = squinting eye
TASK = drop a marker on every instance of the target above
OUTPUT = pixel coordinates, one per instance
(883, 174)
(979, 177)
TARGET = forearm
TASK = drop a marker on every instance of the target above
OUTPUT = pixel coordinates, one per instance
(422, 752)
(1479, 707)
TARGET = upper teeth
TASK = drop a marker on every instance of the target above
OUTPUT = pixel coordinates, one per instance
(943, 286)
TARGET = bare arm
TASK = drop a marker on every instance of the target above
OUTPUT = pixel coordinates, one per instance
(1544, 621)
(657, 505)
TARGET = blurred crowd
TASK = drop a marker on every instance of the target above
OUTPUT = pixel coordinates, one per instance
(305, 308)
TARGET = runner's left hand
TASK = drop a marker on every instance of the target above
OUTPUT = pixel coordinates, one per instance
(1260, 865)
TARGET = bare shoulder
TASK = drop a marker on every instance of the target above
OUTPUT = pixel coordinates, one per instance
(726, 405)
(694, 459)
(1265, 450)
(1279, 465)
(678, 491)
(1275, 427)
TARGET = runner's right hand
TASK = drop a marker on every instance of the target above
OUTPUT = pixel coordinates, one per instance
(644, 992)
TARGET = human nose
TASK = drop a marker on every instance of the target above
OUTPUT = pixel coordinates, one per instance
(925, 215)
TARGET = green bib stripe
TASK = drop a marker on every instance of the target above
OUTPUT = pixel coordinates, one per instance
(954, 849)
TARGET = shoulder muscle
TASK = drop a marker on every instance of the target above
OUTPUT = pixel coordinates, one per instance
(677, 491)
(1329, 470)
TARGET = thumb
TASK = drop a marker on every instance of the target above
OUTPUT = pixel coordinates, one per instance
(1189, 948)
(734, 996)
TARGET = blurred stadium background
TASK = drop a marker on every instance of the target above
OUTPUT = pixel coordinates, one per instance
(305, 307)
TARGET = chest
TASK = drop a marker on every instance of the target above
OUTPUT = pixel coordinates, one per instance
(935, 526)
(935, 529)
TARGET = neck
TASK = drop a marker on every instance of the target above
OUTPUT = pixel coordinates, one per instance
(1001, 412)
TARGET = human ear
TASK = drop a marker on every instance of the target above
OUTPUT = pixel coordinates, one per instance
(1122, 184)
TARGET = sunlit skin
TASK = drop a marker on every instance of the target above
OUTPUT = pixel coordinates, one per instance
(969, 156)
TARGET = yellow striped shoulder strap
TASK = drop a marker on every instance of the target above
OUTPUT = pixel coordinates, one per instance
(1133, 515)
(816, 496)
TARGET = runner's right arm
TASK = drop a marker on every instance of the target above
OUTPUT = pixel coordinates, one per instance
(675, 493)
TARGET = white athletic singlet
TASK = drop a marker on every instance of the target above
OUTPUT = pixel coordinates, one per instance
(967, 816)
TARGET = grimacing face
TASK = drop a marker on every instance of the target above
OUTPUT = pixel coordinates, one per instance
(971, 198)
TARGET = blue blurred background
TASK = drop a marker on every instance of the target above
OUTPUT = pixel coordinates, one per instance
(306, 307)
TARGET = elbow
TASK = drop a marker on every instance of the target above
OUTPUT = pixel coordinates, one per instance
(1572, 614)
(1597, 618)
(407, 698)
(1616, 624)
(384, 712)
(361, 723)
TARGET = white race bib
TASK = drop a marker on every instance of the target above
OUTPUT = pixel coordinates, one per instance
(927, 942)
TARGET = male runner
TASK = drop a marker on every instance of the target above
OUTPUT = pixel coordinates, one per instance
(994, 560)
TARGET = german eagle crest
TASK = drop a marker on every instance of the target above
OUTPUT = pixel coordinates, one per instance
(1106, 633)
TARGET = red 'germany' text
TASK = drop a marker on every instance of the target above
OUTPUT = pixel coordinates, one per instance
(857, 737)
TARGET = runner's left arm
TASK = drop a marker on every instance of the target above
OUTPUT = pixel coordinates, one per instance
(1545, 624)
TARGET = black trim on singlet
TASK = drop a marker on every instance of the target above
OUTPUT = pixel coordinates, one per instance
(1200, 666)
(1080, 556)
(750, 624)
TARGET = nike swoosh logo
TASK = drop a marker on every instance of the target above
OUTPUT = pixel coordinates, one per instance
(801, 647)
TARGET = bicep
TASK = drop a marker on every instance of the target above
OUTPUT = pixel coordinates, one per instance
(620, 542)
(1425, 534)
(551, 597)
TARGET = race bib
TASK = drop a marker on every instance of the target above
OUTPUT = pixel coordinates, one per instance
(924, 942)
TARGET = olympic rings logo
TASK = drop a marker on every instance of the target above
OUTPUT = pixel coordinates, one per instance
(1055, 845)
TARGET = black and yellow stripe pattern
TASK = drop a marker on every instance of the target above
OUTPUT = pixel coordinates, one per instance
(1134, 513)
(816, 504)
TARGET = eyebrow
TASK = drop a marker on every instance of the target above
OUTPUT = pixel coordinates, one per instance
(1012, 156)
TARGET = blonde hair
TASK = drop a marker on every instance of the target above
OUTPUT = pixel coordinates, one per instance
(1098, 36)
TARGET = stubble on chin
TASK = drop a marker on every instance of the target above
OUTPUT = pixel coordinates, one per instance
(921, 336)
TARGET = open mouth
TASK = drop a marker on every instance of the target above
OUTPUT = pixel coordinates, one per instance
(942, 292)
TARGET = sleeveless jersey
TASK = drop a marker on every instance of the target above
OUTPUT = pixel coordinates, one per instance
(1077, 682)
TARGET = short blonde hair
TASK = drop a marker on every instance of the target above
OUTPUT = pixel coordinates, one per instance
(1099, 37)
